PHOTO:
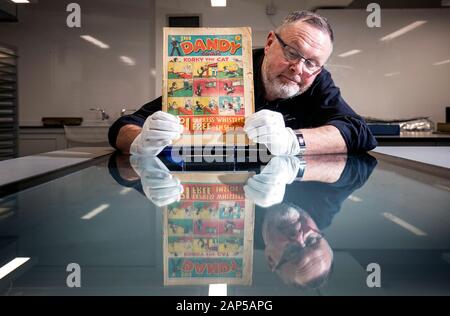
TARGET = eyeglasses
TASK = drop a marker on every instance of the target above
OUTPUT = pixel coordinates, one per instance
(292, 55)
(294, 250)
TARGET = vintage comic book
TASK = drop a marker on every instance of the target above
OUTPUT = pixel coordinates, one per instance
(208, 83)
(208, 234)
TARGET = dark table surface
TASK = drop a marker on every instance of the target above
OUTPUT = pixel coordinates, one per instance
(339, 224)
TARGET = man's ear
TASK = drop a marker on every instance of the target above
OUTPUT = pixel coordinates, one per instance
(269, 41)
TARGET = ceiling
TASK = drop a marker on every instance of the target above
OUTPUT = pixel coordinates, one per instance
(9, 12)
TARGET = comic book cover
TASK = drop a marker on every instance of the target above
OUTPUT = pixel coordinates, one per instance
(208, 234)
(208, 82)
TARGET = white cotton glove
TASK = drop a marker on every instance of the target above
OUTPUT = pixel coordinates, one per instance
(267, 188)
(267, 127)
(159, 130)
(158, 184)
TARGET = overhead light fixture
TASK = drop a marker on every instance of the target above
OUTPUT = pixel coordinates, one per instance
(354, 198)
(350, 52)
(127, 60)
(446, 257)
(218, 3)
(403, 30)
(20, 1)
(441, 62)
(404, 224)
(94, 41)
(12, 265)
(3, 210)
(95, 211)
(125, 191)
(391, 74)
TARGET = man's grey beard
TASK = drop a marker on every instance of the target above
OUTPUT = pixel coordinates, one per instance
(286, 214)
(276, 89)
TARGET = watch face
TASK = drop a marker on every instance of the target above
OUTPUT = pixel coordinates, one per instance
(301, 140)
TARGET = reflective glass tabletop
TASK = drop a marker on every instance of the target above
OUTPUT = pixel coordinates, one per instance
(324, 225)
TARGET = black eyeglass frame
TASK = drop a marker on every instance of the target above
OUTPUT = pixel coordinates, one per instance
(294, 250)
(300, 57)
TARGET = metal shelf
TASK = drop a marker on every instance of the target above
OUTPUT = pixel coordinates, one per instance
(5, 54)
(8, 102)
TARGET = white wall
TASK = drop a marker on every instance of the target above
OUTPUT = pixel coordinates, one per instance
(62, 75)
(416, 87)
(419, 90)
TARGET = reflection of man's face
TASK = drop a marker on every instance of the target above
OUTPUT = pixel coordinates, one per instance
(284, 79)
(295, 248)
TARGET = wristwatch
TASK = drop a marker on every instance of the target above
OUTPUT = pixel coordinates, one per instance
(301, 170)
(301, 141)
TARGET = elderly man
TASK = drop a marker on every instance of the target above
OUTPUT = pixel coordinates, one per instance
(298, 107)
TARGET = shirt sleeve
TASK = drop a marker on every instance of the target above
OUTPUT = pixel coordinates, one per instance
(137, 118)
(333, 110)
(324, 200)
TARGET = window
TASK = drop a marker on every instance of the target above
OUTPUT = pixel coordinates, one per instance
(184, 21)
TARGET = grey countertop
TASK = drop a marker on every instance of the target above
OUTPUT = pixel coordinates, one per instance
(18, 169)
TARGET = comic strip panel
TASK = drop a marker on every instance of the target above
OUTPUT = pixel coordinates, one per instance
(179, 70)
(231, 105)
(231, 246)
(205, 210)
(180, 227)
(180, 106)
(231, 209)
(233, 227)
(180, 246)
(205, 246)
(179, 88)
(180, 210)
(231, 87)
(205, 88)
(206, 106)
(230, 69)
(206, 227)
(205, 70)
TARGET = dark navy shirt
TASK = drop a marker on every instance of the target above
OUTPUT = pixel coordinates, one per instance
(322, 104)
(322, 201)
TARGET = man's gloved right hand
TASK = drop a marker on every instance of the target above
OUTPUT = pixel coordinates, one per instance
(267, 188)
(159, 130)
(267, 127)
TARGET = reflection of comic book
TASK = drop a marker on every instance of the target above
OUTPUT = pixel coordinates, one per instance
(205, 270)
(208, 82)
(208, 234)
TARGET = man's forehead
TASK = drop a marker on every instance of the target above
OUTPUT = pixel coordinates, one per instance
(303, 33)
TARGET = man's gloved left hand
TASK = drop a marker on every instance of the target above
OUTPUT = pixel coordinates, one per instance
(268, 128)
(158, 184)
